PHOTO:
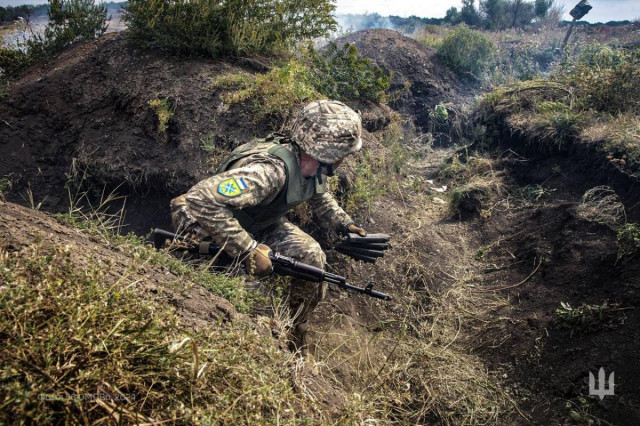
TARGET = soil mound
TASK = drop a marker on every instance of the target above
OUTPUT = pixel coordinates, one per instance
(21, 228)
(84, 119)
(431, 81)
(90, 107)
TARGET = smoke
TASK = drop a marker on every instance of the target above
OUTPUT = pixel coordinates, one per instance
(350, 23)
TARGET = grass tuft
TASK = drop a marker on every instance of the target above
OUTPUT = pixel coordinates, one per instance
(81, 346)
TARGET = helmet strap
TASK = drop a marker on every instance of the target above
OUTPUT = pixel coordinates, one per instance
(329, 168)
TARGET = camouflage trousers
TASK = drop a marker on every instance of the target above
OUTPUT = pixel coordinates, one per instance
(284, 238)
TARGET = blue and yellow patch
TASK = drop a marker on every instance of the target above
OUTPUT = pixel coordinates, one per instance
(232, 187)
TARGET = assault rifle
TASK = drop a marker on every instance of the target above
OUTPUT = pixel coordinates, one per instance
(282, 265)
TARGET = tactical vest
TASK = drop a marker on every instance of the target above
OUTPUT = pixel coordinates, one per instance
(297, 189)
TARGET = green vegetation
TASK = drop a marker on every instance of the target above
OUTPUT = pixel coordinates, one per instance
(467, 51)
(164, 112)
(80, 346)
(593, 99)
(69, 21)
(338, 73)
(212, 28)
(341, 73)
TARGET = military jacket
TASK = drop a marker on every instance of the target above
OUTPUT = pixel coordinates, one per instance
(253, 189)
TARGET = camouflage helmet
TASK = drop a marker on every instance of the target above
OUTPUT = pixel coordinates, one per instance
(328, 130)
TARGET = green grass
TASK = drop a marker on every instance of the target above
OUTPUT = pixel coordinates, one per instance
(273, 93)
(80, 345)
(592, 100)
(164, 112)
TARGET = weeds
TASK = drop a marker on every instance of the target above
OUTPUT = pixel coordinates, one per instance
(164, 112)
(80, 345)
(628, 240)
(586, 316)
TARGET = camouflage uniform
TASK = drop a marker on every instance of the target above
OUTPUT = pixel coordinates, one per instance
(258, 177)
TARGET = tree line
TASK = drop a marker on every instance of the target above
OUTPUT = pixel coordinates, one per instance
(502, 14)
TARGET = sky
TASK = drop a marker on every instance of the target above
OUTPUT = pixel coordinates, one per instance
(603, 10)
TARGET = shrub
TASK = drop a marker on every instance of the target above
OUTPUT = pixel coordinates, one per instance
(341, 73)
(214, 27)
(276, 92)
(605, 79)
(69, 21)
(467, 51)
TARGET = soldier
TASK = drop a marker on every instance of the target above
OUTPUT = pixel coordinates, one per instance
(243, 206)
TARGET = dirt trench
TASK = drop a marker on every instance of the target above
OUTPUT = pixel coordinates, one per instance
(480, 285)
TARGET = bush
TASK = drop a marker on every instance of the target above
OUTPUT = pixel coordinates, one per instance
(69, 21)
(340, 73)
(215, 27)
(337, 73)
(605, 79)
(274, 93)
(467, 51)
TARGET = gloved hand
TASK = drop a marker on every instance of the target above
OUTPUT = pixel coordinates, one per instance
(257, 262)
(349, 226)
(356, 230)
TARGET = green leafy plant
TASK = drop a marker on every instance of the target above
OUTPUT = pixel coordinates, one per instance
(467, 51)
(628, 240)
(164, 112)
(217, 27)
(341, 73)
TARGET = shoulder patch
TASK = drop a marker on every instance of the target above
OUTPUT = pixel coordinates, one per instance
(232, 187)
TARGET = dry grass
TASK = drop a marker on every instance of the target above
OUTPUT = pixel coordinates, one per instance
(80, 347)
(602, 205)
(420, 368)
